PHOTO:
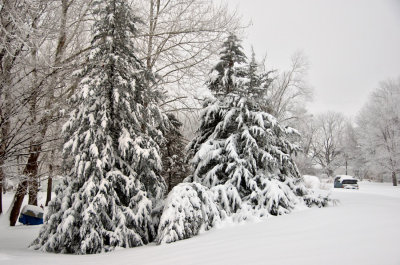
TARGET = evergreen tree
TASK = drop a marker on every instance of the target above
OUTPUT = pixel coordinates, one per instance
(175, 168)
(225, 76)
(254, 79)
(241, 145)
(242, 159)
(257, 82)
(115, 174)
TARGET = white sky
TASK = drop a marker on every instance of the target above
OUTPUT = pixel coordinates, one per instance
(351, 45)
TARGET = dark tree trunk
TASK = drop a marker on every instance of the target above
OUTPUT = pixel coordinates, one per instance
(30, 169)
(33, 189)
(169, 182)
(5, 130)
(394, 178)
(17, 202)
(4, 134)
(1, 183)
(1, 190)
(49, 184)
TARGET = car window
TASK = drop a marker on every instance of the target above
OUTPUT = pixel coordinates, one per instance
(349, 181)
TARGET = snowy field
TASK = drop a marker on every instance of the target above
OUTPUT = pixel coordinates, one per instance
(363, 229)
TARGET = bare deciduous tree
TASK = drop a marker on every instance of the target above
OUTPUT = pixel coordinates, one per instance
(289, 91)
(379, 128)
(179, 40)
(327, 147)
(52, 49)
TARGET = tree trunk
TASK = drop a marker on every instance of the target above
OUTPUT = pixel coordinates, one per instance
(49, 184)
(2, 178)
(46, 119)
(1, 190)
(30, 169)
(17, 202)
(4, 132)
(33, 189)
(394, 178)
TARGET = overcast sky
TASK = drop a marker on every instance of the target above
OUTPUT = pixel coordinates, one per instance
(351, 45)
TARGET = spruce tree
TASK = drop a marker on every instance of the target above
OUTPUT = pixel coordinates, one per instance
(115, 171)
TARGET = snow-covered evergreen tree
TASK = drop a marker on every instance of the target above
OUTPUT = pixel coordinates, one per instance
(192, 207)
(241, 145)
(257, 83)
(115, 174)
(224, 76)
(241, 151)
(248, 149)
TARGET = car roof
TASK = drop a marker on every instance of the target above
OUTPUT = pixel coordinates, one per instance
(343, 177)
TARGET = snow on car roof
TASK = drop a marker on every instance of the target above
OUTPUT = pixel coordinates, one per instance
(342, 177)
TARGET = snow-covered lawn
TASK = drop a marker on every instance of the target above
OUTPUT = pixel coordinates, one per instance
(363, 229)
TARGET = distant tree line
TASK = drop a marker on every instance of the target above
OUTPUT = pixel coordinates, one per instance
(366, 147)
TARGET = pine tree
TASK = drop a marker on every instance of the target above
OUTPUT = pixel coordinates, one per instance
(115, 171)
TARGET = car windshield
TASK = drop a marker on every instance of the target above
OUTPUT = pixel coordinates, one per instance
(349, 181)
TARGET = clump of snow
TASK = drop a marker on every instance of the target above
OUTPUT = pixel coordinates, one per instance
(343, 177)
(32, 210)
(311, 182)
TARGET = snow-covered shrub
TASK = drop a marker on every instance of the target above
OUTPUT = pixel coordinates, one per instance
(227, 199)
(312, 199)
(191, 207)
(311, 182)
(188, 208)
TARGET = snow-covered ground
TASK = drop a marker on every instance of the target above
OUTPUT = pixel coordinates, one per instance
(363, 229)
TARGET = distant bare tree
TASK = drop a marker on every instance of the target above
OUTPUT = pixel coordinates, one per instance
(327, 147)
(306, 125)
(350, 147)
(289, 90)
(379, 128)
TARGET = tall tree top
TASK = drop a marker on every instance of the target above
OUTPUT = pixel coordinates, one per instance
(232, 51)
(225, 75)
